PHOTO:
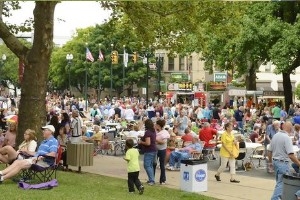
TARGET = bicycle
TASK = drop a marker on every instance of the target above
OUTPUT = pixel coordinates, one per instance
(118, 145)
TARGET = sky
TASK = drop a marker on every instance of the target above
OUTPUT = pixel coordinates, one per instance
(69, 15)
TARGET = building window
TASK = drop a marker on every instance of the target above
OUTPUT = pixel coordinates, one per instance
(171, 64)
(181, 63)
(268, 67)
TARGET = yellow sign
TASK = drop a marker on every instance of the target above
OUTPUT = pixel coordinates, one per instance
(180, 86)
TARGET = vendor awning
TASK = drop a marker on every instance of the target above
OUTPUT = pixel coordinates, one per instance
(272, 97)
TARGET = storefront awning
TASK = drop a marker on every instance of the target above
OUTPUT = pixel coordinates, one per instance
(272, 97)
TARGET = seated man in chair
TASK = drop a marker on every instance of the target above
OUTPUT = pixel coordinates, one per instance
(208, 136)
(183, 153)
(44, 157)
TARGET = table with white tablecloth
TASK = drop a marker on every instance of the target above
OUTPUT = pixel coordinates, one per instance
(249, 145)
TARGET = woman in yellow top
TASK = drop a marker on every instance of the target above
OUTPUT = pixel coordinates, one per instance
(226, 153)
(97, 136)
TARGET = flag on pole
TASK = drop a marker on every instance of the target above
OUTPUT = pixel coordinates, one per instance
(101, 56)
(89, 55)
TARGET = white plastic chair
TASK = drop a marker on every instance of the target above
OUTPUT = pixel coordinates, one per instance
(258, 153)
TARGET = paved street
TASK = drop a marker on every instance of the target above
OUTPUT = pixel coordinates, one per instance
(255, 184)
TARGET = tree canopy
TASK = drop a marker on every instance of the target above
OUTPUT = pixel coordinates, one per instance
(100, 38)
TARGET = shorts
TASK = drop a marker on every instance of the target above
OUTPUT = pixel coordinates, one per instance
(39, 163)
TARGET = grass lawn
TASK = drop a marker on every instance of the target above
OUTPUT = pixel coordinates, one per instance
(90, 186)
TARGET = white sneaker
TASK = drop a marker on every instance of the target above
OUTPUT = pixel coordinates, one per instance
(177, 168)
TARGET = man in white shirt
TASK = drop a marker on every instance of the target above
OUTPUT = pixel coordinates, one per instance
(129, 114)
(81, 105)
(111, 112)
(75, 126)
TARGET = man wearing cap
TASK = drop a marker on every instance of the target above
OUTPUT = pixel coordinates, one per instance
(44, 157)
(281, 152)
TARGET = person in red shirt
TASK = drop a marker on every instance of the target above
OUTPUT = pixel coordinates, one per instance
(208, 136)
(187, 137)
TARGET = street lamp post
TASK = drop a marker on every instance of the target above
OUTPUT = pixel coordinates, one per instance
(147, 79)
(159, 64)
(69, 58)
(147, 55)
(124, 55)
(99, 75)
(111, 79)
(85, 82)
(85, 87)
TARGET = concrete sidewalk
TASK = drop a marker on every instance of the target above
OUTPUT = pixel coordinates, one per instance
(250, 188)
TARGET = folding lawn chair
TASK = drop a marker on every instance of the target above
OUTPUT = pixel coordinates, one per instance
(43, 174)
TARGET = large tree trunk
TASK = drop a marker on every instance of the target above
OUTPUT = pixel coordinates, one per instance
(32, 109)
(287, 90)
(34, 86)
(251, 76)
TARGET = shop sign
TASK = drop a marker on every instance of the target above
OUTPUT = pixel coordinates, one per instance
(179, 77)
(233, 92)
(220, 77)
(273, 93)
(217, 85)
(180, 86)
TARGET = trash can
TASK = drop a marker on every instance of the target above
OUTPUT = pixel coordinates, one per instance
(291, 184)
(80, 154)
(193, 175)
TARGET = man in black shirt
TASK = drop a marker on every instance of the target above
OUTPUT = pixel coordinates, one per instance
(118, 111)
(216, 113)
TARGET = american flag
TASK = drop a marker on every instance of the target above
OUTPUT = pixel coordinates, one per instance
(89, 55)
(101, 57)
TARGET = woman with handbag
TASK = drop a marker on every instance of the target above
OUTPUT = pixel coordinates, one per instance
(26, 149)
(228, 152)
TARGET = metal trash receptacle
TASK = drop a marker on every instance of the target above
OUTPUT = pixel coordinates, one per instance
(291, 184)
(80, 154)
(193, 175)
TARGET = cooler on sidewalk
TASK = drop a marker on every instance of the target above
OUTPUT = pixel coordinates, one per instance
(193, 175)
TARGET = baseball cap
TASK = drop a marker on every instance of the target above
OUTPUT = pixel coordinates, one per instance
(50, 127)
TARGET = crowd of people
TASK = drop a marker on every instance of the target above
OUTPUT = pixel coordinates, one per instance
(172, 132)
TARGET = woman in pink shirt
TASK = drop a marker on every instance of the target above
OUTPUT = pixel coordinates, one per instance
(162, 136)
(10, 135)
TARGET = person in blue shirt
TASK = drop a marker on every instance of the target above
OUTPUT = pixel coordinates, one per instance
(184, 153)
(271, 130)
(44, 157)
(207, 113)
(296, 119)
(239, 117)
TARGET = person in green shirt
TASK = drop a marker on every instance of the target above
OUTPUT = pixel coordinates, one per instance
(276, 112)
(133, 167)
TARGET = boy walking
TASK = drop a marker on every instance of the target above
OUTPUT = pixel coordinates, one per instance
(133, 167)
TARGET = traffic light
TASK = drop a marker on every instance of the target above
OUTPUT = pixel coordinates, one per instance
(134, 57)
(114, 57)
